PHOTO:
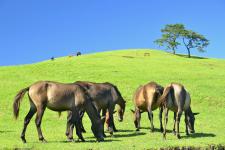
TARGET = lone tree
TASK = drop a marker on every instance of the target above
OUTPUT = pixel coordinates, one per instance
(193, 39)
(170, 36)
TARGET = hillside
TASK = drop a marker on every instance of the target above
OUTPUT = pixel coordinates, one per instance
(204, 78)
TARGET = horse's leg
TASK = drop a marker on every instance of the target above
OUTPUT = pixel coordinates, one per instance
(76, 120)
(40, 112)
(111, 121)
(70, 126)
(186, 123)
(150, 117)
(69, 119)
(137, 119)
(160, 118)
(26, 122)
(174, 123)
(114, 127)
(179, 113)
(165, 121)
(103, 121)
(81, 114)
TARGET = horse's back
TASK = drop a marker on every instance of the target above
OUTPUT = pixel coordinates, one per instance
(57, 96)
(181, 96)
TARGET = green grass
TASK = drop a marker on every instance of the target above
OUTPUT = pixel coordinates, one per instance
(204, 78)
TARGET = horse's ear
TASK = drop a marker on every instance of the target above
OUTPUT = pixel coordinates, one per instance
(132, 110)
(196, 113)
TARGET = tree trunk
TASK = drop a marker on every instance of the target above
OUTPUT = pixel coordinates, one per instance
(189, 53)
(174, 51)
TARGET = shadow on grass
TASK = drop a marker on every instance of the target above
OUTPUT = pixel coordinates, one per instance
(157, 129)
(86, 141)
(194, 57)
(200, 135)
(125, 131)
(129, 134)
(128, 56)
(6, 131)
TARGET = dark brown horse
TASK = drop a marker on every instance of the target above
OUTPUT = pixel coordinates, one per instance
(176, 98)
(104, 96)
(146, 100)
(58, 97)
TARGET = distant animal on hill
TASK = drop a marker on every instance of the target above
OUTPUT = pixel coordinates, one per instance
(177, 99)
(52, 58)
(104, 96)
(146, 100)
(78, 53)
(58, 97)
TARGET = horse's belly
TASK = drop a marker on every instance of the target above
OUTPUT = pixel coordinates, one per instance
(59, 104)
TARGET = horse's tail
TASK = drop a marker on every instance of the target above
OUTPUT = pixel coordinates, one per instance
(18, 98)
(165, 94)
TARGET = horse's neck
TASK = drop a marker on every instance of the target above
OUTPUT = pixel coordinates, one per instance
(92, 112)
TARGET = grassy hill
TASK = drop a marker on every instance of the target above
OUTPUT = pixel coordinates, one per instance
(204, 78)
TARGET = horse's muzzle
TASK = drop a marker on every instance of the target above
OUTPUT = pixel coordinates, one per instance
(101, 139)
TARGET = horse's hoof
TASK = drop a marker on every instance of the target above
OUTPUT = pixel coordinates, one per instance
(137, 129)
(43, 140)
(100, 139)
(161, 130)
(82, 140)
(178, 136)
(151, 130)
(115, 130)
(70, 140)
(24, 140)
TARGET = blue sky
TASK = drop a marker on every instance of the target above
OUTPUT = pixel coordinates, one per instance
(32, 31)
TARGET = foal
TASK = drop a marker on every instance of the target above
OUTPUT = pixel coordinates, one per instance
(58, 97)
(176, 98)
(146, 99)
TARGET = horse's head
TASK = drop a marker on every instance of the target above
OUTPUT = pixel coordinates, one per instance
(98, 130)
(121, 109)
(191, 121)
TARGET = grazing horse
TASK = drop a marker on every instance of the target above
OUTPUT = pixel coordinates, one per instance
(177, 99)
(58, 97)
(146, 100)
(104, 96)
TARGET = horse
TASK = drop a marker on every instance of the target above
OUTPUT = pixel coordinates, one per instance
(58, 97)
(177, 99)
(146, 100)
(104, 96)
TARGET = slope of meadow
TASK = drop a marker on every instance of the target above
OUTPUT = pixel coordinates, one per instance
(204, 78)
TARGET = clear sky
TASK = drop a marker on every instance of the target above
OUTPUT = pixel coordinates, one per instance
(35, 30)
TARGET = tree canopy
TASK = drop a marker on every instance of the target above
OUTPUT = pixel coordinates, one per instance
(173, 34)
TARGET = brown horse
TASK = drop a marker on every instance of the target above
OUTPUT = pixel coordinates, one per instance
(58, 97)
(145, 100)
(104, 96)
(176, 98)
